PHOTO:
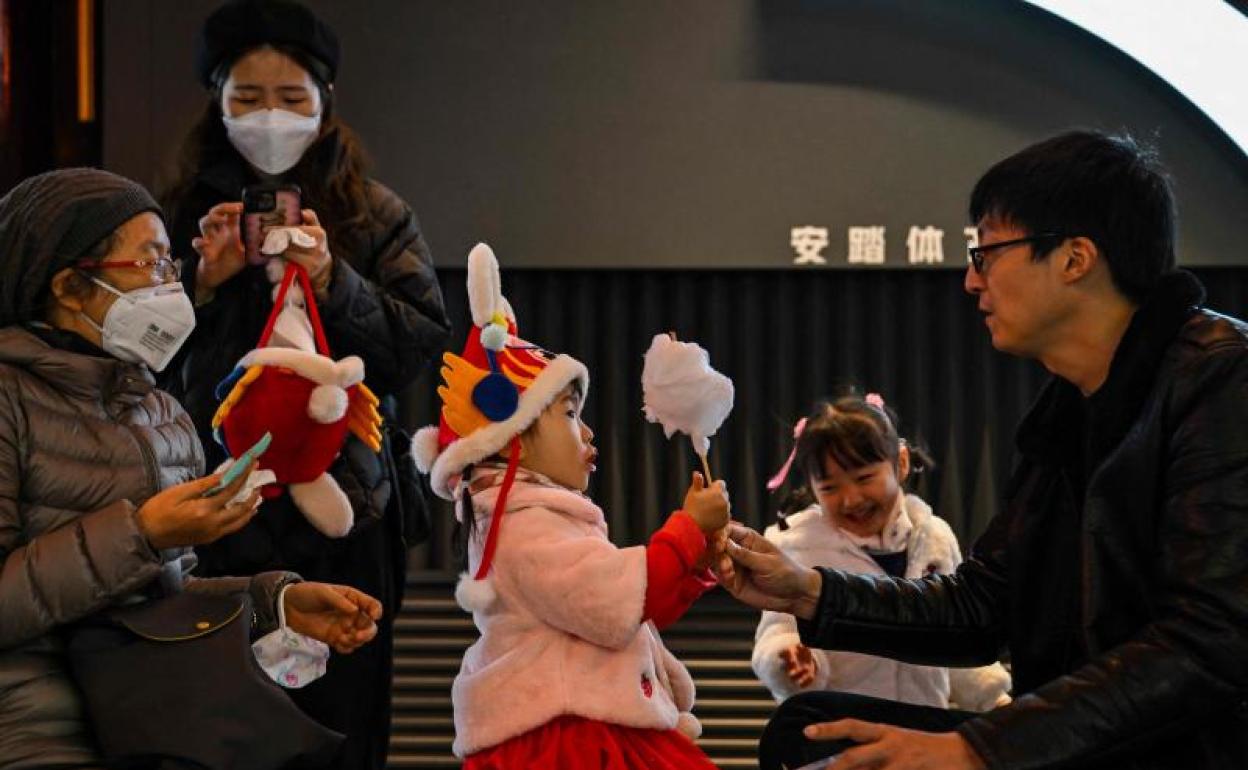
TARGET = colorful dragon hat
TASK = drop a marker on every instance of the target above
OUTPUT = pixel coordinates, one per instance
(494, 390)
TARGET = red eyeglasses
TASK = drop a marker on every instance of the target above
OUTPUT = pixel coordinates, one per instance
(164, 270)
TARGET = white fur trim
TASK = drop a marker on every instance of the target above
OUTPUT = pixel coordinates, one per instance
(931, 544)
(689, 725)
(485, 287)
(979, 689)
(494, 438)
(324, 504)
(316, 367)
(425, 448)
(327, 404)
(474, 595)
(350, 370)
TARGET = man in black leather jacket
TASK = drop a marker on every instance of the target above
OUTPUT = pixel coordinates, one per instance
(1116, 573)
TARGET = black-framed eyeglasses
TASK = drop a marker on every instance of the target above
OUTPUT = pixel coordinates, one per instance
(976, 253)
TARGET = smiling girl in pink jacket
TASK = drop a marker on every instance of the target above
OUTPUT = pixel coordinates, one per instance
(569, 671)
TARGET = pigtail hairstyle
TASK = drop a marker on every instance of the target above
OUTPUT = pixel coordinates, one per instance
(853, 430)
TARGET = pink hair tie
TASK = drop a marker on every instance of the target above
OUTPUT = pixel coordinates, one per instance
(875, 400)
(783, 473)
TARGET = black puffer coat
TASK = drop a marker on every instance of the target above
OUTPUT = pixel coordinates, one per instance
(384, 305)
(1141, 661)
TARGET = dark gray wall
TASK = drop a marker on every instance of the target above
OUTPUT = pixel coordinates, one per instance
(693, 133)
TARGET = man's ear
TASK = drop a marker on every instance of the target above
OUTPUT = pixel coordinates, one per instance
(1079, 256)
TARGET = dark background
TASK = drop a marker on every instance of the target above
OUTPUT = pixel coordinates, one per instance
(638, 165)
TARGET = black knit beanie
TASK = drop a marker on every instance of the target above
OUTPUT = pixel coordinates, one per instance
(48, 222)
(241, 25)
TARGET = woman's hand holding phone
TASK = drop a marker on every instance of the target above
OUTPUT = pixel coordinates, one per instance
(181, 516)
(315, 259)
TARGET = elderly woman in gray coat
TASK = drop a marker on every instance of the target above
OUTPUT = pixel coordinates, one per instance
(99, 495)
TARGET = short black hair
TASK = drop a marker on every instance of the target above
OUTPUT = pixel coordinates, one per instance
(1107, 188)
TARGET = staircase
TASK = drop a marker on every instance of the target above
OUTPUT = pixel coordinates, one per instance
(713, 640)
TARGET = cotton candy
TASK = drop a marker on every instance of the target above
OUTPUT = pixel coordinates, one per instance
(683, 393)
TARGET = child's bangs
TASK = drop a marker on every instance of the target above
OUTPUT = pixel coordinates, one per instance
(852, 440)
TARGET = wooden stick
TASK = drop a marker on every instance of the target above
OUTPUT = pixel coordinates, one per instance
(706, 470)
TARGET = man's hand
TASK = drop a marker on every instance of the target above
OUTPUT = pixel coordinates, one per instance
(800, 664)
(884, 747)
(339, 616)
(764, 577)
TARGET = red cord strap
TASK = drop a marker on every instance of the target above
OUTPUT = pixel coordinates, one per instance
(314, 315)
(491, 540)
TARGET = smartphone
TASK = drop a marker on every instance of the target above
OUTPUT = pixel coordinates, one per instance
(265, 206)
(241, 464)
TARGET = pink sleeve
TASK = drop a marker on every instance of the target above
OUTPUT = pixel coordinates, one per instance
(672, 584)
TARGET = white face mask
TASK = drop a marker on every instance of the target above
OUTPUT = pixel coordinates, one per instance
(272, 140)
(288, 657)
(146, 325)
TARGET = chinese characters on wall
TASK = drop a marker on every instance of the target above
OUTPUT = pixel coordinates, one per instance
(865, 245)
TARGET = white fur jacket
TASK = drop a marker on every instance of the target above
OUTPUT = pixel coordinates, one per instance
(561, 626)
(931, 547)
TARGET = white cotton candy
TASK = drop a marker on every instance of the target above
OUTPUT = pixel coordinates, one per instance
(683, 393)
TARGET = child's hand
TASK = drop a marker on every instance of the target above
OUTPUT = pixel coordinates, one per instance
(800, 664)
(716, 550)
(708, 506)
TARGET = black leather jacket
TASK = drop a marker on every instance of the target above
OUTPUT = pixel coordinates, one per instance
(1128, 635)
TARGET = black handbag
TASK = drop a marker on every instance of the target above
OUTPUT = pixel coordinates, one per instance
(409, 485)
(173, 683)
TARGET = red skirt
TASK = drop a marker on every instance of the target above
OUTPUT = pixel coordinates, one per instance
(576, 743)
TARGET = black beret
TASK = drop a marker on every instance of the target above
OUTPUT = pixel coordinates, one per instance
(241, 25)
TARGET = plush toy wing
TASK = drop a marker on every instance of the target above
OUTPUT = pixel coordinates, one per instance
(363, 419)
(237, 384)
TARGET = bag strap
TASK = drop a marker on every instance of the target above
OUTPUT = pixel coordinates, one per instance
(314, 315)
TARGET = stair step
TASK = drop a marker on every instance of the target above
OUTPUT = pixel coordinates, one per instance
(400, 759)
(423, 723)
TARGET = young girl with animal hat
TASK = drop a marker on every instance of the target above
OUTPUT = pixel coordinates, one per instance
(569, 671)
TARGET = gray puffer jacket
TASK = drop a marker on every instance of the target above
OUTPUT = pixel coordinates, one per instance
(84, 440)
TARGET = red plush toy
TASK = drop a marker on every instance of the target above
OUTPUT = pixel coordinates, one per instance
(308, 401)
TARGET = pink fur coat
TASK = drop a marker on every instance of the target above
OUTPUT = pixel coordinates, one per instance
(561, 626)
